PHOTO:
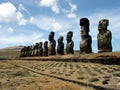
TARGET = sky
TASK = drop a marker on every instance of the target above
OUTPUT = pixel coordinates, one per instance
(25, 22)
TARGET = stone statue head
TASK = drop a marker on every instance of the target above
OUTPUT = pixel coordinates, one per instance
(51, 36)
(37, 43)
(69, 36)
(102, 27)
(40, 44)
(84, 23)
(60, 39)
(45, 44)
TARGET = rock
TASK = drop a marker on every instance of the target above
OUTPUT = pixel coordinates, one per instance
(93, 80)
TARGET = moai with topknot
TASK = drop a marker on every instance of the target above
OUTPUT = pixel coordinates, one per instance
(104, 37)
(86, 40)
(40, 49)
(45, 50)
(52, 44)
(60, 47)
(70, 43)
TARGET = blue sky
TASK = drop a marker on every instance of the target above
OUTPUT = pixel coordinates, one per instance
(25, 22)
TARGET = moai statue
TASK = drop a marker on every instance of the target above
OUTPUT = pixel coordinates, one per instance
(52, 44)
(22, 52)
(86, 40)
(37, 49)
(30, 50)
(45, 50)
(33, 50)
(104, 37)
(40, 49)
(60, 47)
(70, 43)
(25, 51)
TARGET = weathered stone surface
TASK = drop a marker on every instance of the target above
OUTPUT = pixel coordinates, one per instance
(32, 50)
(60, 47)
(104, 36)
(22, 52)
(52, 44)
(70, 43)
(37, 49)
(86, 40)
(40, 49)
(45, 50)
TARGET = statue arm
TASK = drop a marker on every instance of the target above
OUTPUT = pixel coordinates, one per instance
(109, 36)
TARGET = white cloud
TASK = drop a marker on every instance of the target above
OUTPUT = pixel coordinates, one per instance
(21, 20)
(10, 30)
(8, 40)
(10, 14)
(0, 26)
(53, 4)
(22, 8)
(64, 33)
(32, 20)
(114, 22)
(56, 26)
(71, 15)
(47, 23)
(73, 6)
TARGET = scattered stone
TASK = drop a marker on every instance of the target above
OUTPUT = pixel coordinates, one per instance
(116, 74)
(80, 77)
(67, 74)
(105, 81)
(93, 80)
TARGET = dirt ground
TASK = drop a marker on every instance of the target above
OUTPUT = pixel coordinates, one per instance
(59, 72)
(17, 78)
(14, 75)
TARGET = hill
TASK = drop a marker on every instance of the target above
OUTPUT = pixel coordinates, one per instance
(10, 52)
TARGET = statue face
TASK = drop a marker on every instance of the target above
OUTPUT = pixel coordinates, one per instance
(68, 37)
(45, 44)
(51, 37)
(41, 44)
(83, 33)
(37, 44)
(60, 40)
(84, 30)
(103, 25)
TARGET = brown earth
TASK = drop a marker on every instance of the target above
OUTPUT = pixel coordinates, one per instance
(67, 72)
(13, 77)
